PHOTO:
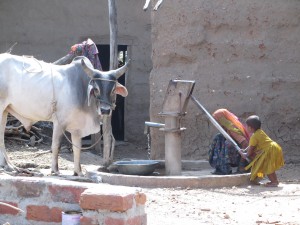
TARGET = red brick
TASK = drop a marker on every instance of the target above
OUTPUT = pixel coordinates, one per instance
(140, 198)
(8, 210)
(43, 213)
(29, 189)
(88, 221)
(113, 221)
(67, 194)
(91, 200)
(138, 220)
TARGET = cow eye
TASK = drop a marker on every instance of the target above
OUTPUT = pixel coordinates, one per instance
(96, 91)
(113, 91)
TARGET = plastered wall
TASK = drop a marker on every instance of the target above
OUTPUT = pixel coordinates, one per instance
(47, 30)
(243, 55)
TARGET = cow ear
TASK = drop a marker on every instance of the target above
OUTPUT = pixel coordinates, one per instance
(89, 93)
(121, 90)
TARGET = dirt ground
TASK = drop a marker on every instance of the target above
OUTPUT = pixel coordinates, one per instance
(176, 206)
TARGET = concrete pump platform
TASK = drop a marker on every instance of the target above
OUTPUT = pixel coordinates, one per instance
(195, 174)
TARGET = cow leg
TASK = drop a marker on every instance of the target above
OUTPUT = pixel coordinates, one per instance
(56, 139)
(4, 160)
(76, 141)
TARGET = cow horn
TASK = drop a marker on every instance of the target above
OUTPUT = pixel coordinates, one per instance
(120, 71)
(65, 60)
(86, 69)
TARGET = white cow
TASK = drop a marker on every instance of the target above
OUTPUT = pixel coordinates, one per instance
(72, 96)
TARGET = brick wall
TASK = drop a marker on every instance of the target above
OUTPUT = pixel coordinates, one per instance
(44, 199)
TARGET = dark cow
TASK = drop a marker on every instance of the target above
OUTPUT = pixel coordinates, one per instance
(72, 96)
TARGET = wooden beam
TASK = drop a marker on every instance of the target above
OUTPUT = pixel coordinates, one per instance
(108, 138)
(113, 30)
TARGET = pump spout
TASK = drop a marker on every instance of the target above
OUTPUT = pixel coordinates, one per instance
(152, 124)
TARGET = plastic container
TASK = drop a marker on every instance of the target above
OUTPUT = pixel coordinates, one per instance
(71, 218)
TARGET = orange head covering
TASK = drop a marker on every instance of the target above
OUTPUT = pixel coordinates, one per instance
(230, 122)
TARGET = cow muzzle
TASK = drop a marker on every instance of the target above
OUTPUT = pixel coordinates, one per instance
(105, 109)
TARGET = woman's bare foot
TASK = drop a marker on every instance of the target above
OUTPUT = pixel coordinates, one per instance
(272, 184)
(273, 180)
(256, 181)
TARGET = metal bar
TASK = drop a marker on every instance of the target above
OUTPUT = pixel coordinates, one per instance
(152, 124)
(217, 125)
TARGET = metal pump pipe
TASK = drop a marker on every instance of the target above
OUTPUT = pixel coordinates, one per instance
(218, 126)
(174, 108)
(152, 124)
(172, 132)
(172, 146)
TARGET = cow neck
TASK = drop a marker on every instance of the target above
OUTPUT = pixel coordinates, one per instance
(54, 109)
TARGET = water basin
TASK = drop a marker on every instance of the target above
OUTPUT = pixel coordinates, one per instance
(136, 167)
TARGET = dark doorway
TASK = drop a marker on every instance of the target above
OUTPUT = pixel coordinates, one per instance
(117, 120)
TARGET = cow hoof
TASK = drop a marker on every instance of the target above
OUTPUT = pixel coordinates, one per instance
(55, 173)
(110, 168)
(78, 174)
(10, 168)
(107, 164)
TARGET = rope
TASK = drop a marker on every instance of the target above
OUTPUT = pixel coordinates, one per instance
(113, 105)
(82, 148)
(104, 79)
(32, 71)
(11, 206)
(11, 48)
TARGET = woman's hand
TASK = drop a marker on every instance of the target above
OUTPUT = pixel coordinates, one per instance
(244, 154)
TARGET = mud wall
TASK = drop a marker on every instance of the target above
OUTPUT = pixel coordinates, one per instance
(243, 55)
(47, 30)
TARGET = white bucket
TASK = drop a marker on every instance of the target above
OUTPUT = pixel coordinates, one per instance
(71, 218)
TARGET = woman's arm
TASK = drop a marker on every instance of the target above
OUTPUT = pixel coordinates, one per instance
(250, 151)
(244, 144)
